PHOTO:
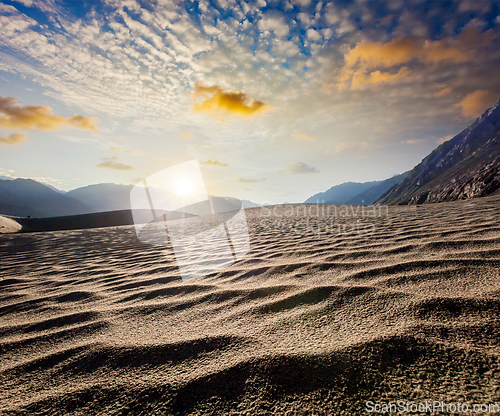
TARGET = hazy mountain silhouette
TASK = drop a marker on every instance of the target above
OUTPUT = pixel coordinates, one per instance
(369, 196)
(467, 166)
(26, 197)
(340, 194)
(103, 196)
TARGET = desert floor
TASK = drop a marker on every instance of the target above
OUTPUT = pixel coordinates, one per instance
(384, 306)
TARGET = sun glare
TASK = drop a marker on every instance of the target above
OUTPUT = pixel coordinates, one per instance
(183, 187)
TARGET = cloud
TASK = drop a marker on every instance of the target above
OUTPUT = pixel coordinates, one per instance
(360, 79)
(232, 102)
(475, 103)
(363, 63)
(39, 117)
(13, 139)
(304, 137)
(346, 146)
(113, 164)
(314, 35)
(214, 163)
(302, 2)
(413, 141)
(299, 167)
(274, 22)
(443, 91)
(119, 149)
(186, 134)
(136, 180)
(241, 179)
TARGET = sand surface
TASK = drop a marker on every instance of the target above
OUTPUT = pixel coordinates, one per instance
(96, 322)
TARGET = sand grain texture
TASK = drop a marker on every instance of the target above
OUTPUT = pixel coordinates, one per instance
(96, 322)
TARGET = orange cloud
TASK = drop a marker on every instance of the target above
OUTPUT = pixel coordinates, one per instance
(370, 63)
(215, 101)
(186, 134)
(39, 117)
(304, 137)
(13, 139)
(475, 103)
(360, 78)
(438, 51)
(214, 163)
(443, 91)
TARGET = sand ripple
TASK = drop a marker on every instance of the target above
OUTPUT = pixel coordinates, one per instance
(311, 321)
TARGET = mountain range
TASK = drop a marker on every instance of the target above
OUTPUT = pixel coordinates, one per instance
(467, 166)
(342, 193)
(356, 193)
(26, 197)
(464, 167)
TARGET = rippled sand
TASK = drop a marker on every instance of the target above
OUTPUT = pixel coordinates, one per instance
(96, 322)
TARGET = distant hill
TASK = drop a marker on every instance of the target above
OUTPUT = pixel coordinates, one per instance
(369, 196)
(467, 166)
(340, 194)
(103, 197)
(26, 197)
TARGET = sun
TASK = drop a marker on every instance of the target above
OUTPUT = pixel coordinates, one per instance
(183, 187)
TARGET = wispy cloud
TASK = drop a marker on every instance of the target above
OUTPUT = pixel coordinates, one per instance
(299, 168)
(119, 149)
(214, 163)
(186, 134)
(304, 137)
(443, 91)
(217, 101)
(413, 141)
(111, 163)
(349, 146)
(372, 63)
(39, 117)
(241, 179)
(13, 139)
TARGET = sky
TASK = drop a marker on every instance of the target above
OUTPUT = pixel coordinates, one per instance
(277, 100)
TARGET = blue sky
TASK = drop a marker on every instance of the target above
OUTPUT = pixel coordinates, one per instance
(277, 99)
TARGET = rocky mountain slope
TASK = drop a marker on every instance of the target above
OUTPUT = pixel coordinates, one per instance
(465, 167)
(369, 196)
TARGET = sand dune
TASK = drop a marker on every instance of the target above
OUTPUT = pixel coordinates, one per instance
(316, 319)
(9, 225)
